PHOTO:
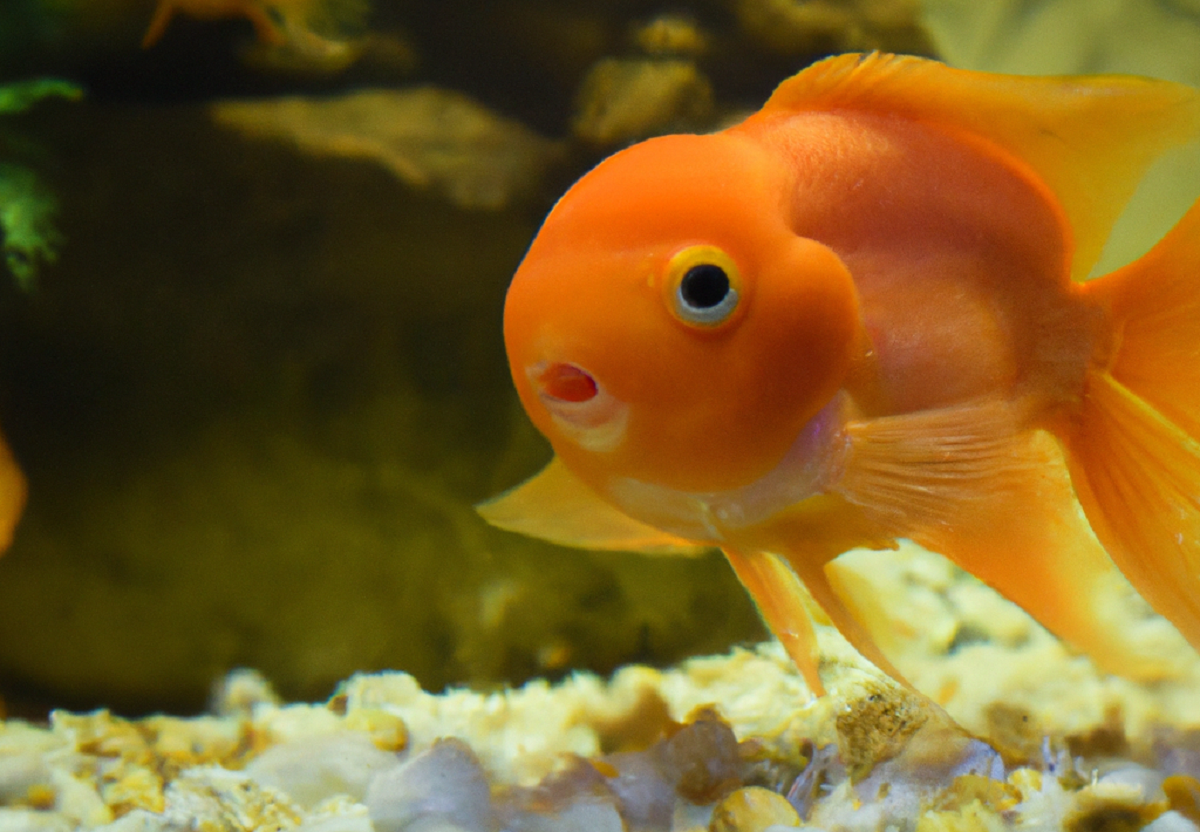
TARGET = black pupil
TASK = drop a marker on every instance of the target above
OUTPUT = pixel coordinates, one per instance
(704, 286)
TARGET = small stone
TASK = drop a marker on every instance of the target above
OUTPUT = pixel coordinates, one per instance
(584, 815)
(241, 691)
(28, 820)
(387, 731)
(316, 769)
(228, 801)
(21, 772)
(136, 788)
(441, 788)
(1170, 821)
(78, 801)
(1111, 807)
(753, 809)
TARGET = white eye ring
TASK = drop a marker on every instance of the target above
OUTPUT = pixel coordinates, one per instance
(705, 295)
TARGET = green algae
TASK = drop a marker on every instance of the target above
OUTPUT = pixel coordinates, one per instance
(27, 205)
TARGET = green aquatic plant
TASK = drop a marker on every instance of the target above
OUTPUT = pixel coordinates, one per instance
(27, 206)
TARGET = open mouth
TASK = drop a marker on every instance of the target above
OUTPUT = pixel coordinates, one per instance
(579, 404)
(565, 383)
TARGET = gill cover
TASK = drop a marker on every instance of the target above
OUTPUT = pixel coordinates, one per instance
(711, 331)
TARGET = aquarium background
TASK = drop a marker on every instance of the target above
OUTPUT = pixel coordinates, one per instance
(251, 356)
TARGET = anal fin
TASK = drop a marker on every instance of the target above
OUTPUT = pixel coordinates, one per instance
(779, 597)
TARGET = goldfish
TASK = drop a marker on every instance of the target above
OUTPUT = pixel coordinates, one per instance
(861, 315)
(13, 495)
(257, 12)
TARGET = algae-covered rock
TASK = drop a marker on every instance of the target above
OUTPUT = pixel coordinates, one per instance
(814, 26)
(427, 137)
(256, 400)
(626, 99)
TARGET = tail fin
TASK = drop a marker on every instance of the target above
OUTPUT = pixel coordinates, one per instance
(1135, 456)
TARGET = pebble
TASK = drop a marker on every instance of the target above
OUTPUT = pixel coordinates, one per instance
(317, 769)
(442, 788)
(753, 809)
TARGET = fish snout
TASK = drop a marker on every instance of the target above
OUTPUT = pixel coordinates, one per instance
(578, 404)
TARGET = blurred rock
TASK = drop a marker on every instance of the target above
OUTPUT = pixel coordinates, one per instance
(671, 34)
(428, 138)
(812, 27)
(626, 99)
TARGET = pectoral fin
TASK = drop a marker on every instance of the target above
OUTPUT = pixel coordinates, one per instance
(555, 505)
(996, 500)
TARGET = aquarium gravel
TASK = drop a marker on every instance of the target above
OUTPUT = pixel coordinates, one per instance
(1030, 737)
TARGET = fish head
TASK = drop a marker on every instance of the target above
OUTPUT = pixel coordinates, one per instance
(666, 324)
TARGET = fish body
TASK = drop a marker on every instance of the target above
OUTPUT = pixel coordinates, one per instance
(858, 316)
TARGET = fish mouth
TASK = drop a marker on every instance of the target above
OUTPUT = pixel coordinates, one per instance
(565, 383)
(578, 403)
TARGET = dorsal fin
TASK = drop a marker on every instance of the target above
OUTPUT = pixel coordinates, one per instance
(1090, 139)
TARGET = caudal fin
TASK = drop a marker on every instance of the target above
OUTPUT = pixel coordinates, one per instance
(1135, 455)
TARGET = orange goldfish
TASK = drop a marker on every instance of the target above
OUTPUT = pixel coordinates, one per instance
(257, 12)
(859, 316)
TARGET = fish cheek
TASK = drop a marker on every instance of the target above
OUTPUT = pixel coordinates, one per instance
(803, 334)
(721, 409)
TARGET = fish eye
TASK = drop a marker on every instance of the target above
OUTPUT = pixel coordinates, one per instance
(703, 282)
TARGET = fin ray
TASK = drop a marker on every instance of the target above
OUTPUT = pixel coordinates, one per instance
(975, 485)
(822, 584)
(1138, 477)
(779, 597)
(1155, 302)
(931, 464)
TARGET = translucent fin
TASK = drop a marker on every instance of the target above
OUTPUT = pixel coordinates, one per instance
(932, 466)
(780, 599)
(1138, 477)
(1155, 305)
(1028, 540)
(555, 506)
(970, 483)
(158, 24)
(821, 584)
(1090, 139)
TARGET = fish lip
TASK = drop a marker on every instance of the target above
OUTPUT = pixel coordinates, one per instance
(596, 423)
